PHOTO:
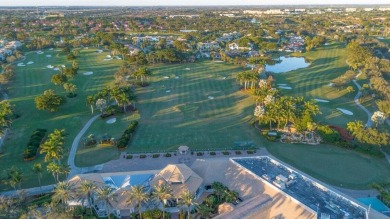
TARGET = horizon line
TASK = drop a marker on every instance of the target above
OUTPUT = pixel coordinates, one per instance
(197, 5)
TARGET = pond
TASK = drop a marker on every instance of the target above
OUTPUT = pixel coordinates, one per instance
(287, 64)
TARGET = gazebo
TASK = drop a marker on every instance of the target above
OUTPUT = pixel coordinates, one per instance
(183, 150)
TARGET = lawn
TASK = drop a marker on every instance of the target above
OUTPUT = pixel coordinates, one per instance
(327, 63)
(336, 166)
(199, 108)
(88, 156)
(32, 80)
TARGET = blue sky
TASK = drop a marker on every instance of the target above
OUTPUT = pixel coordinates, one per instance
(179, 2)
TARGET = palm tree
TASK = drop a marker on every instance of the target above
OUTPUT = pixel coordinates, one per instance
(139, 194)
(104, 194)
(204, 211)
(63, 193)
(91, 101)
(55, 169)
(37, 169)
(53, 146)
(85, 191)
(162, 193)
(188, 200)
(143, 73)
(356, 128)
(14, 177)
(219, 189)
(5, 114)
(123, 100)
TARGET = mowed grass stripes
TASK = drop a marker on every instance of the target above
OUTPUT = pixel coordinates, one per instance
(328, 62)
(30, 81)
(195, 107)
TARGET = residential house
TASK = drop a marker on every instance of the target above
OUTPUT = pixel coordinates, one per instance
(208, 46)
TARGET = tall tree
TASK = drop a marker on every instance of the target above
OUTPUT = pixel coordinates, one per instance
(91, 101)
(162, 193)
(53, 146)
(14, 177)
(105, 194)
(187, 199)
(139, 194)
(85, 192)
(63, 193)
(49, 100)
(37, 169)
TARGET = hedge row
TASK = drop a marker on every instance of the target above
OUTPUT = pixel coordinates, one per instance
(35, 141)
(125, 138)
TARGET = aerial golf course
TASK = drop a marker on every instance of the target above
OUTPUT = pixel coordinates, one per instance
(197, 104)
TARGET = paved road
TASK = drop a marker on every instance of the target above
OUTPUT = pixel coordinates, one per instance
(72, 154)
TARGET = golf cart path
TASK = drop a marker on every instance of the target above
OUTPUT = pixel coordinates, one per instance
(72, 153)
(357, 102)
(369, 114)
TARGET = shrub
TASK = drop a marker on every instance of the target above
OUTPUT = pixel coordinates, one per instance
(327, 134)
(250, 152)
(238, 152)
(142, 156)
(168, 155)
(33, 144)
(212, 153)
(225, 153)
(156, 155)
(199, 153)
(126, 136)
(129, 156)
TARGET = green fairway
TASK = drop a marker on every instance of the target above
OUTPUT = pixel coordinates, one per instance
(333, 165)
(199, 109)
(32, 80)
(88, 156)
(328, 62)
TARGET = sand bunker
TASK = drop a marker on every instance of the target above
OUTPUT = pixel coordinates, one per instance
(188, 69)
(63, 66)
(21, 64)
(110, 121)
(88, 73)
(51, 49)
(99, 51)
(30, 62)
(285, 87)
(218, 61)
(49, 66)
(56, 69)
(282, 84)
(108, 56)
(166, 77)
(39, 52)
(347, 112)
(117, 57)
(211, 97)
(223, 78)
(330, 84)
(321, 100)
(168, 91)
(48, 56)
(176, 77)
(107, 59)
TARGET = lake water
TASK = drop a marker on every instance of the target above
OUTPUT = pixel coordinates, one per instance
(287, 64)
